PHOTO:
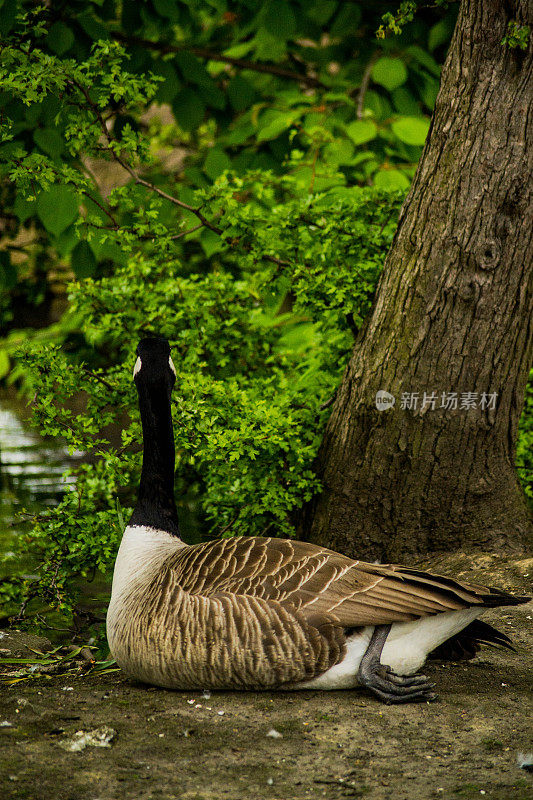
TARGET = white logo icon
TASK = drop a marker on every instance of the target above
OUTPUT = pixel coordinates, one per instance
(384, 400)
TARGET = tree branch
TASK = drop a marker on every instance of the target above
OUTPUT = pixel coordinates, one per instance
(137, 178)
(211, 55)
(186, 233)
(204, 222)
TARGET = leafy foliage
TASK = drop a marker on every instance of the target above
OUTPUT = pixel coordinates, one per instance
(524, 450)
(517, 35)
(216, 87)
(253, 379)
(259, 280)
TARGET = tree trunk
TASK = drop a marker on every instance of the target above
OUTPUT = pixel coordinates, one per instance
(453, 313)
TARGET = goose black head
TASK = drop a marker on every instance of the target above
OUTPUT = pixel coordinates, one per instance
(154, 364)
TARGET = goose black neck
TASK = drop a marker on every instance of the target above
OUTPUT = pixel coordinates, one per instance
(156, 506)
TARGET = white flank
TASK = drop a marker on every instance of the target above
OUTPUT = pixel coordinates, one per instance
(407, 647)
(137, 367)
(141, 555)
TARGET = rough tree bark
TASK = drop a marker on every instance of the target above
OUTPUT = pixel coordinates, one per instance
(453, 313)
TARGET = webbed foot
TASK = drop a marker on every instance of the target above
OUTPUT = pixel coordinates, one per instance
(392, 688)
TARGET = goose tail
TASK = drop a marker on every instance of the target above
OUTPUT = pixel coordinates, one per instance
(497, 597)
(466, 644)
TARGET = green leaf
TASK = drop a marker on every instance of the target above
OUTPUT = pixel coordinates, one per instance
(24, 209)
(440, 33)
(216, 163)
(411, 130)
(212, 96)
(50, 141)
(8, 271)
(429, 91)
(83, 261)
(60, 38)
(120, 516)
(167, 89)
(122, 123)
(389, 73)
(273, 123)
(423, 58)
(67, 241)
(241, 93)
(211, 242)
(269, 46)
(8, 13)
(168, 9)
(378, 105)
(188, 109)
(404, 102)
(347, 19)
(57, 208)
(321, 10)
(239, 50)
(338, 152)
(280, 19)
(92, 26)
(390, 179)
(192, 69)
(5, 365)
(362, 130)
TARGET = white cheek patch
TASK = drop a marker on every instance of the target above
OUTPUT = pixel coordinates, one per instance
(171, 365)
(137, 367)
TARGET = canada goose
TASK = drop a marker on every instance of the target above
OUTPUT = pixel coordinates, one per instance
(261, 613)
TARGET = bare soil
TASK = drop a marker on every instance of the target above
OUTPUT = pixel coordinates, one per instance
(332, 745)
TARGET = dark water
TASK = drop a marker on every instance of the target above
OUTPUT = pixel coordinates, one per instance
(32, 477)
(31, 474)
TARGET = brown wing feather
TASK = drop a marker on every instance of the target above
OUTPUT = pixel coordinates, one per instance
(318, 582)
(221, 640)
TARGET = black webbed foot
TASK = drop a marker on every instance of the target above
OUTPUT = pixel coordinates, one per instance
(392, 688)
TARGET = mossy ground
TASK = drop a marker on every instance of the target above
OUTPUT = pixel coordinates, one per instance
(333, 745)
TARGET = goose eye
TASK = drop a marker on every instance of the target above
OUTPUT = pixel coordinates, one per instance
(137, 367)
(171, 365)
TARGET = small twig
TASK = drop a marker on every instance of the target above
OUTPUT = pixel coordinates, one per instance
(230, 524)
(313, 172)
(143, 237)
(186, 233)
(365, 80)
(266, 529)
(45, 624)
(80, 495)
(389, 217)
(100, 206)
(98, 377)
(329, 402)
(22, 610)
(279, 261)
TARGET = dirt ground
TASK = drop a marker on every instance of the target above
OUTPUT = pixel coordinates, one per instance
(183, 745)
